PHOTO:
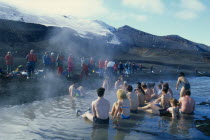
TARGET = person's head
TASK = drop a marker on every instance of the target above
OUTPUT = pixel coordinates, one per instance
(174, 102)
(165, 90)
(129, 88)
(100, 92)
(138, 83)
(143, 85)
(8, 53)
(121, 94)
(52, 54)
(161, 82)
(188, 92)
(181, 74)
(125, 83)
(166, 85)
(31, 51)
(148, 85)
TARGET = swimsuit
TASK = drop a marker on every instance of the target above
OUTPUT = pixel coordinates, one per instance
(192, 113)
(164, 112)
(100, 121)
(134, 111)
(124, 117)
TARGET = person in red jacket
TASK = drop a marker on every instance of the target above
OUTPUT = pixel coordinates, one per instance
(59, 61)
(70, 65)
(31, 61)
(101, 65)
(9, 62)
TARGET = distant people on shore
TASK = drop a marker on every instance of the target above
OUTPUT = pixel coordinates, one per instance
(9, 61)
(185, 84)
(31, 59)
(100, 109)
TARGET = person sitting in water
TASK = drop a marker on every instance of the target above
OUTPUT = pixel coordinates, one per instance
(118, 83)
(147, 91)
(185, 84)
(162, 102)
(121, 108)
(133, 98)
(100, 109)
(141, 96)
(124, 85)
(73, 91)
(172, 111)
(166, 85)
(187, 104)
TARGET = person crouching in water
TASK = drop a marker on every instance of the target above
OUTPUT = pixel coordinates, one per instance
(76, 92)
(121, 108)
(9, 62)
(133, 98)
(31, 61)
(100, 109)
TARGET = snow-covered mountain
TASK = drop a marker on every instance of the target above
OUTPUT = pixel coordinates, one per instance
(82, 26)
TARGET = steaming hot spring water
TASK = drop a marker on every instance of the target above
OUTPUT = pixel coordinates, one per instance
(55, 118)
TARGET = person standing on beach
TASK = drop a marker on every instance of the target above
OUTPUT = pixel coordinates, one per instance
(185, 84)
(9, 62)
(46, 61)
(59, 62)
(31, 61)
(70, 65)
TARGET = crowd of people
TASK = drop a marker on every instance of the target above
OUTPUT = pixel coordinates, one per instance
(152, 98)
(58, 63)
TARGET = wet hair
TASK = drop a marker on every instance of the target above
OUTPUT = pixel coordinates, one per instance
(100, 92)
(138, 83)
(165, 90)
(140, 89)
(143, 85)
(129, 88)
(166, 85)
(161, 82)
(174, 102)
(188, 92)
(121, 94)
(181, 74)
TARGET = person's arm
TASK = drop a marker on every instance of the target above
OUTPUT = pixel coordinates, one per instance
(117, 110)
(70, 91)
(163, 101)
(177, 84)
(93, 109)
(158, 100)
(173, 113)
(180, 102)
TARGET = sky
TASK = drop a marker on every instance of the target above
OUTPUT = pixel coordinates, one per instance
(187, 18)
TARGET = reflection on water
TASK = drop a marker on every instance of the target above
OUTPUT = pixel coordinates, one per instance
(56, 118)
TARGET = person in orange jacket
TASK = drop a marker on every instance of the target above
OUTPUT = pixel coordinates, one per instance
(31, 61)
(9, 62)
